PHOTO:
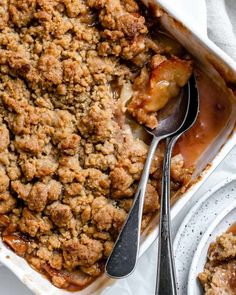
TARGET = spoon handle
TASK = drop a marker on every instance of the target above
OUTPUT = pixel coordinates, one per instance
(166, 278)
(123, 258)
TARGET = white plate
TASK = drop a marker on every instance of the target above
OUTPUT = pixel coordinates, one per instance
(219, 225)
(195, 225)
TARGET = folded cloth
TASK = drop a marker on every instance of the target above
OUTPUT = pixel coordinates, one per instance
(221, 22)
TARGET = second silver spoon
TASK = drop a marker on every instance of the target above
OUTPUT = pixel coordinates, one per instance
(166, 279)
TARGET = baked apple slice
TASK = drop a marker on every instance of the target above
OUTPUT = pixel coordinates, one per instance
(164, 83)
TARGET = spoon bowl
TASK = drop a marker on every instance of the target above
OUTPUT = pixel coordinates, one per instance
(172, 118)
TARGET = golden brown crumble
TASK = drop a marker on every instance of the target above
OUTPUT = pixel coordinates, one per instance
(69, 160)
(219, 275)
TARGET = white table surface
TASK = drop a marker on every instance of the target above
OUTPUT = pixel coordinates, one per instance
(145, 271)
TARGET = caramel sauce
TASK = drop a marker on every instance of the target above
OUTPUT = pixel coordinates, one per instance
(215, 109)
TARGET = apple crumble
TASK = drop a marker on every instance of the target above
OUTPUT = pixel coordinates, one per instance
(219, 275)
(75, 75)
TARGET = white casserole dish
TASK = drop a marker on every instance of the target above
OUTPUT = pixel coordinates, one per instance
(211, 57)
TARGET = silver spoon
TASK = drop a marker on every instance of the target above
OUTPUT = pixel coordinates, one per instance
(123, 258)
(166, 278)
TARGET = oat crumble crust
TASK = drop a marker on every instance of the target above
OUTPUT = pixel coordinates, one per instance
(219, 275)
(69, 163)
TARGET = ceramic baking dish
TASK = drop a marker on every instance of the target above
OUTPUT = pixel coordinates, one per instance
(222, 70)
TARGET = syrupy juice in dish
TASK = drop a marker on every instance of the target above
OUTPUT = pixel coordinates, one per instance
(215, 109)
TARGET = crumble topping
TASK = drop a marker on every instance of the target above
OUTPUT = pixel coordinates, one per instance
(219, 275)
(69, 160)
